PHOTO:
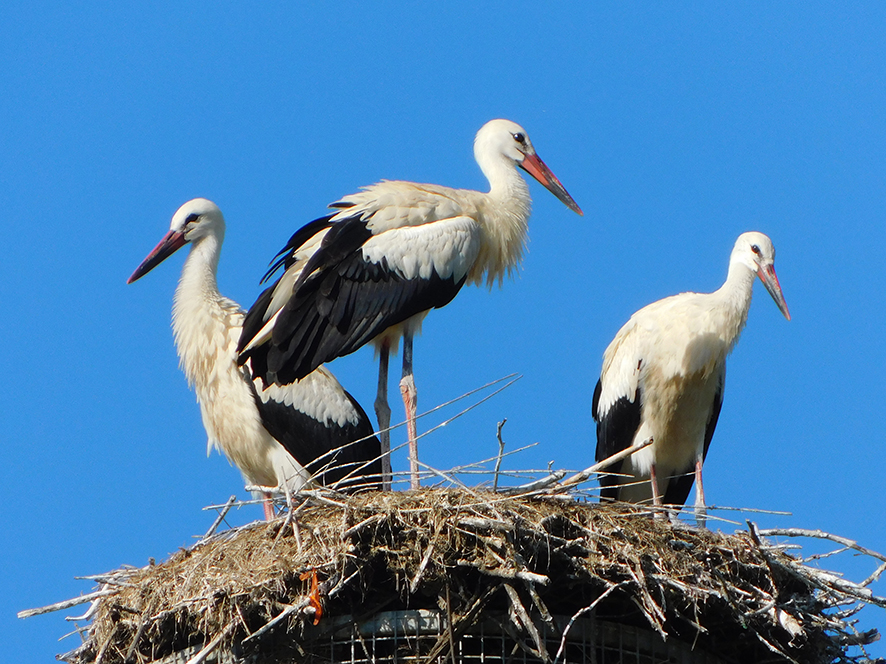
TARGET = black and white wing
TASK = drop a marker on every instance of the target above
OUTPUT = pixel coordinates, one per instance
(359, 283)
(324, 428)
(617, 403)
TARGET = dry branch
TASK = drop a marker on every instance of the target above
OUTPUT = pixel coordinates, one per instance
(452, 551)
(68, 603)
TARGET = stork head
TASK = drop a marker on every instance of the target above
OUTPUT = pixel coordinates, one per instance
(194, 220)
(503, 140)
(755, 251)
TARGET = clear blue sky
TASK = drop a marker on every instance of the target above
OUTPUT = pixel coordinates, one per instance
(675, 126)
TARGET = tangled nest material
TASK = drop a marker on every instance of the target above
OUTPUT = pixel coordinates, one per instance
(260, 588)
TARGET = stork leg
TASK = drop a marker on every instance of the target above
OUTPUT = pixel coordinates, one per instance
(383, 414)
(410, 402)
(656, 494)
(700, 510)
(268, 505)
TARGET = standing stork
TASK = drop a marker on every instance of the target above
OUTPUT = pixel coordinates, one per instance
(663, 377)
(312, 430)
(390, 254)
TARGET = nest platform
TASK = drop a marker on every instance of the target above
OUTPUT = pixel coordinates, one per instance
(446, 575)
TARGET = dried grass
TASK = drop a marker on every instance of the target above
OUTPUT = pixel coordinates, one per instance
(462, 551)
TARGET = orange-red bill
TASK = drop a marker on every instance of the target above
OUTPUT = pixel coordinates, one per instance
(533, 165)
(770, 280)
(171, 242)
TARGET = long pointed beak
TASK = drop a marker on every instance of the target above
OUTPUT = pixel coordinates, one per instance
(767, 276)
(533, 165)
(171, 242)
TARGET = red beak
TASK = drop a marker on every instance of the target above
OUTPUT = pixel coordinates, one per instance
(533, 165)
(171, 242)
(767, 276)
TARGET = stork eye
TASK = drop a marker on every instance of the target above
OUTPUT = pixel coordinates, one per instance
(755, 249)
(520, 138)
(192, 218)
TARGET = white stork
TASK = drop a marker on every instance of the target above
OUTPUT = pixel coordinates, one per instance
(391, 253)
(663, 377)
(276, 436)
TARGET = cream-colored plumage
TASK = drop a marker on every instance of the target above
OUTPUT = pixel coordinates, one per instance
(207, 327)
(671, 358)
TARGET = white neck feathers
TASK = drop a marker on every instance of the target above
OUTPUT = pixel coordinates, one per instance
(505, 217)
(734, 298)
(200, 319)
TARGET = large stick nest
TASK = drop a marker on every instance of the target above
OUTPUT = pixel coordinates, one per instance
(470, 553)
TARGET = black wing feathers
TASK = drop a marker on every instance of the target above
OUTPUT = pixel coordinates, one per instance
(255, 317)
(715, 414)
(252, 324)
(311, 443)
(616, 429)
(342, 301)
(285, 257)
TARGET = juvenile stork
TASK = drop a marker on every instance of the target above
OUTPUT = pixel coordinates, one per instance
(312, 430)
(392, 252)
(663, 377)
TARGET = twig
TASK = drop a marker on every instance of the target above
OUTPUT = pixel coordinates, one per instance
(537, 485)
(268, 626)
(471, 407)
(413, 586)
(90, 612)
(540, 605)
(774, 648)
(221, 517)
(107, 644)
(287, 492)
(873, 577)
(331, 453)
(820, 534)
(477, 466)
(449, 631)
(501, 451)
(108, 581)
(212, 645)
(523, 575)
(819, 578)
(463, 622)
(353, 530)
(822, 556)
(142, 624)
(486, 524)
(447, 477)
(528, 625)
(755, 510)
(586, 474)
(68, 603)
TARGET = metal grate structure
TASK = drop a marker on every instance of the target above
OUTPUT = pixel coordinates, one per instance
(407, 637)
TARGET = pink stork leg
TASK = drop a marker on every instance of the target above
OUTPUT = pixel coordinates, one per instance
(656, 494)
(268, 505)
(700, 510)
(383, 414)
(653, 480)
(410, 403)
